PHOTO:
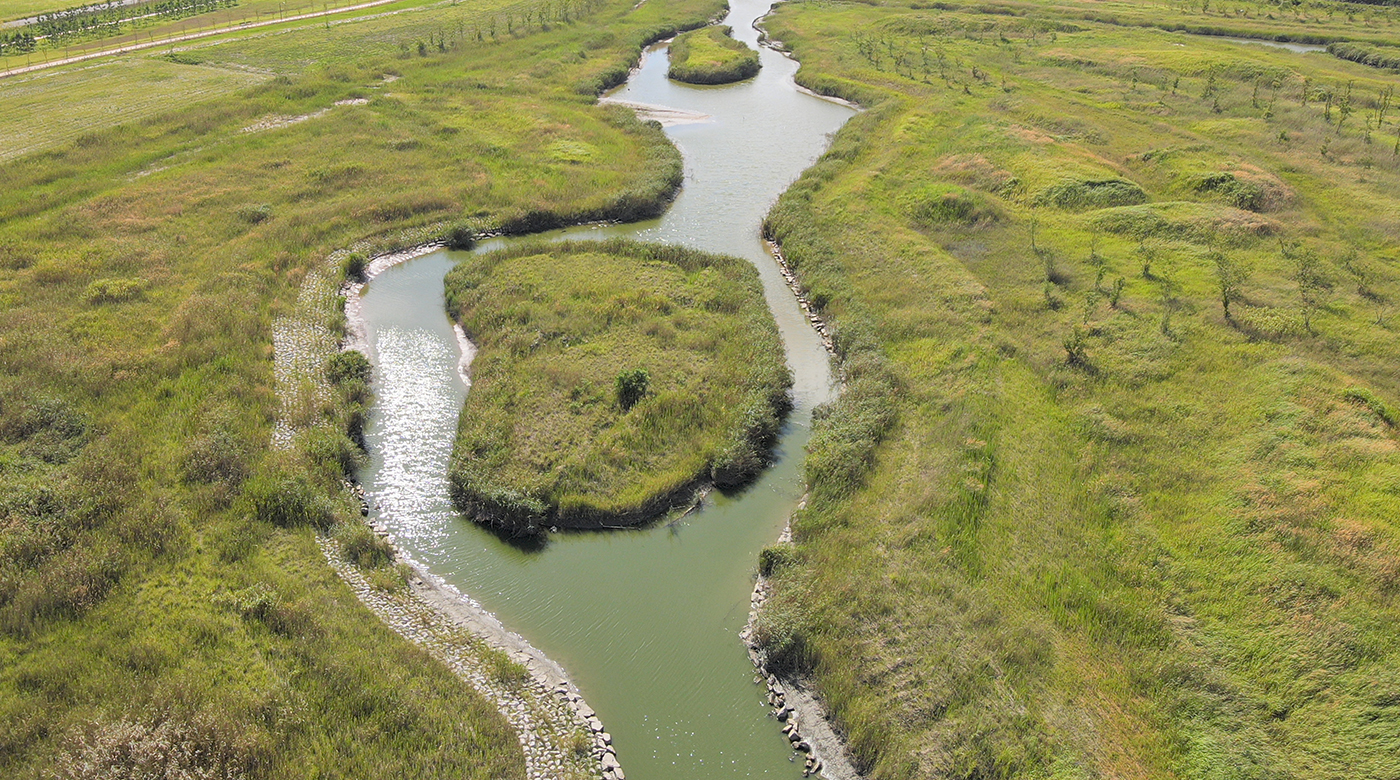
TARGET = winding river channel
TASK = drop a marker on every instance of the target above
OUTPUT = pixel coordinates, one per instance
(646, 621)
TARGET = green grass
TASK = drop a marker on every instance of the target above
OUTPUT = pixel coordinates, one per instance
(83, 97)
(710, 56)
(1177, 555)
(160, 577)
(548, 435)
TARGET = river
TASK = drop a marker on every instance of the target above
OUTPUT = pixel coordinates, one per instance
(646, 621)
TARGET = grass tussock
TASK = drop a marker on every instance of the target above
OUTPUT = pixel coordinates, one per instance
(710, 56)
(611, 381)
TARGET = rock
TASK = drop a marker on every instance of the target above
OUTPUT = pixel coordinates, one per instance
(606, 737)
(610, 763)
(596, 726)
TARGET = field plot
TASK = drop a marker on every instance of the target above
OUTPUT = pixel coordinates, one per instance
(48, 108)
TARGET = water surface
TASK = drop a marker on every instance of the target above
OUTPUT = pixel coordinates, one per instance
(645, 621)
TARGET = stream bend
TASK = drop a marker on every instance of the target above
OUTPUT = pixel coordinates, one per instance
(646, 621)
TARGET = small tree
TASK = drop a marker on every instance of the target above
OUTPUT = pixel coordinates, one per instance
(1230, 276)
(632, 386)
(1076, 348)
(1312, 286)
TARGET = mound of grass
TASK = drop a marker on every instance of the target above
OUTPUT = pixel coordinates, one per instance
(1233, 190)
(710, 56)
(945, 204)
(611, 381)
(1182, 219)
(1082, 194)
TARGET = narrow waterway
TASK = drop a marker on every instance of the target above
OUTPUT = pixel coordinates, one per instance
(645, 621)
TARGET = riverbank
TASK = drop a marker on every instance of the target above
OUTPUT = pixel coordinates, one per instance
(559, 734)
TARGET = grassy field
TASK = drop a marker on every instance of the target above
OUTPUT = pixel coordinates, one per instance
(1112, 489)
(83, 97)
(560, 429)
(162, 592)
(710, 56)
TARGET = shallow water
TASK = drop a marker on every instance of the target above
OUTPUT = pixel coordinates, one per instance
(645, 621)
(1298, 48)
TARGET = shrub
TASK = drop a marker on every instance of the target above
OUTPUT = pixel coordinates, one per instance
(781, 633)
(255, 215)
(354, 266)
(507, 672)
(346, 366)
(632, 386)
(1365, 397)
(217, 457)
(459, 237)
(160, 747)
(1234, 191)
(775, 557)
(941, 205)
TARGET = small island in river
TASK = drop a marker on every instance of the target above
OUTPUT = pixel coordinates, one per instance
(710, 56)
(612, 382)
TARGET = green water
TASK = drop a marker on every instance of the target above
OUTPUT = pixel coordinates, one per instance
(645, 621)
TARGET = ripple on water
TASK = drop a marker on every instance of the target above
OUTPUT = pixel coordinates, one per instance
(411, 487)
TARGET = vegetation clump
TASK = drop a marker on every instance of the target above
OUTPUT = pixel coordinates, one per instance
(1083, 194)
(711, 56)
(611, 381)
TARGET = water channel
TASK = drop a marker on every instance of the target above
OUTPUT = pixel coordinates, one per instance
(645, 621)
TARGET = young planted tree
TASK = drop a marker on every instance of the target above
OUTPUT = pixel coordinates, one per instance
(1230, 276)
(1312, 285)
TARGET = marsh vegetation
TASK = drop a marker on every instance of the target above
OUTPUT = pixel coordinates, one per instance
(710, 56)
(611, 381)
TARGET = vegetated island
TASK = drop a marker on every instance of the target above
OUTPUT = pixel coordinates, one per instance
(612, 381)
(710, 56)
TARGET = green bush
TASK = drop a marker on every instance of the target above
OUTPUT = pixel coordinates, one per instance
(775, 557)
(347, 366)
(114, 290)
(631, 387)
(1365, 397)
(1240, 194)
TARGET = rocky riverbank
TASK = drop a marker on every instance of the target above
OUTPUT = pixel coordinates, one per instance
(795, 705)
